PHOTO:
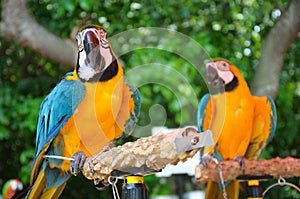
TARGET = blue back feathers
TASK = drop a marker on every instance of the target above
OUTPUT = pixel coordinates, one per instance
(56, 110)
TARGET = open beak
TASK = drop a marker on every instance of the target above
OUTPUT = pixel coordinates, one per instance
(95, 55)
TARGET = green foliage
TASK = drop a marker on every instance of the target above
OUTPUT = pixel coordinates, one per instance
(17, 128)
(172, 93)
(231, 29)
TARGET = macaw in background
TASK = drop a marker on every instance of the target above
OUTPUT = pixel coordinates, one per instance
(242, 124)
(10, 188)
(89, 109)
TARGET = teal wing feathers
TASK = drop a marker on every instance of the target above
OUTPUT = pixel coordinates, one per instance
(273, 119)
(201, 115)
(55, 111)
(134, 114)
(263, 127)
(201, 111)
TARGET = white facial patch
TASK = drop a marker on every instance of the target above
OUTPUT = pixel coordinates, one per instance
(227, 76)
(223, 70)
(106, 54)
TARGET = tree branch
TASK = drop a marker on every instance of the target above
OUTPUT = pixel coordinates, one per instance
(274, 47)
(19, 25)
(147, 154)
(231, 170)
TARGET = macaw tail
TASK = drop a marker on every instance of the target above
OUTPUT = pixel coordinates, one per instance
(52, 188)
(214, 192)
(48, 184)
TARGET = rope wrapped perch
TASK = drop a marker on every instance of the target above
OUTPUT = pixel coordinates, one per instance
(147, 154)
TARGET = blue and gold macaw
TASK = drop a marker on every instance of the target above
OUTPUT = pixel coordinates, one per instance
(242, 124)
(89, 109)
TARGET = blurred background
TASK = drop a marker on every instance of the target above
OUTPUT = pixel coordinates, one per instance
(233, 29)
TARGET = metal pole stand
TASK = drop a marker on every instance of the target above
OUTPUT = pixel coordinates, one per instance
(134, 188)
(252, 185)
(253, 190)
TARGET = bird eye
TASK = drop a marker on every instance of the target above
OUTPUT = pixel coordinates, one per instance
(222, 65)
(77, 37)
(103, 34)
(79, 42)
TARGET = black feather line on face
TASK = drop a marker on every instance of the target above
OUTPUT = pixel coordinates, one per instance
(233, 84)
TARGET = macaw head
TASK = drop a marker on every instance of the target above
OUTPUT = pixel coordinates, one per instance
(11, 187)
(221, 75)
(95, 55)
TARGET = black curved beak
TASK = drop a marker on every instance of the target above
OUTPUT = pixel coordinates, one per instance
(90, 41)
(92, 49)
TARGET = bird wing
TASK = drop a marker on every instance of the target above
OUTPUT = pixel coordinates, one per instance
(129, 112)
(55, 111)
(203, 116)
(264, 125)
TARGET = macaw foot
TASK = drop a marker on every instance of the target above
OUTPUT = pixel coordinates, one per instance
(240, 160)
(104, 187)
(206, 158)
(76, 165)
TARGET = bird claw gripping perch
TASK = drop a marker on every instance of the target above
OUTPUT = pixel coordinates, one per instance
(241, 160)
(191, 140)
(205, 159)
(76, 165)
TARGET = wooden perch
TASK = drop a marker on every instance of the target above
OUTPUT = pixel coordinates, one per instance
(276, 167)
(147, 154)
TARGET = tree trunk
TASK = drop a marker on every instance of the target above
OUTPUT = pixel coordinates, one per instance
(19, 25)
(274, 47)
